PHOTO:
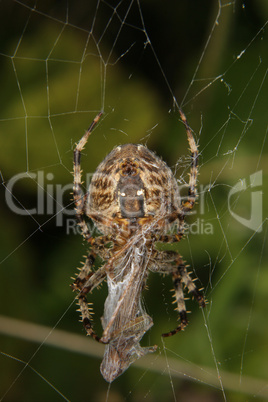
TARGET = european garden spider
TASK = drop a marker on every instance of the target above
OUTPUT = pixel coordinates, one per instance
(134, 201)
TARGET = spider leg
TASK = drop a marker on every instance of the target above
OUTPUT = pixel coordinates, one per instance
(84, 283)
(181, 308)
(190, 201)
(163, 262)
(181, 277)
(78, 195)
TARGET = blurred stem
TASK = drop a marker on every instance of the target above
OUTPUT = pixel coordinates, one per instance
(176, 368)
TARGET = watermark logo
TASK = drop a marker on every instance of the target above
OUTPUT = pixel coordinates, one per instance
(49, 196)
(254, 222)
(55, 200)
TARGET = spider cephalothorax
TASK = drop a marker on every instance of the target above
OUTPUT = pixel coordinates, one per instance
(133, 199)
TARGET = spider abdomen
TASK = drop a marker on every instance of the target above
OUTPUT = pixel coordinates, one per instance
(132, 182)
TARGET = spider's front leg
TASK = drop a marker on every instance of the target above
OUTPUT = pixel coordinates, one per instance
(164, 262)
(84, 283)
(181, 277)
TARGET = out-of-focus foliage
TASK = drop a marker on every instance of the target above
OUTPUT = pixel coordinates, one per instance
(45, 110)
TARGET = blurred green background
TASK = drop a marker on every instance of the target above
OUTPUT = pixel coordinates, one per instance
(61, 62)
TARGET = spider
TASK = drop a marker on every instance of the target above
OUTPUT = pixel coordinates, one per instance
(134, 201)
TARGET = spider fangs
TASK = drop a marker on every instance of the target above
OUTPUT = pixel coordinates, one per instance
(134, 200)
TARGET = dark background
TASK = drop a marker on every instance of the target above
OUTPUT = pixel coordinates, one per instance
(41, 117)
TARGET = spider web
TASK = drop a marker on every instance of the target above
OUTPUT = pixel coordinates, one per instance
(63, 62)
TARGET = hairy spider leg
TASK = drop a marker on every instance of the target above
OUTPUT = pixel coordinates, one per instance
(163, 262)
(78, 195)
(189, 203)
(182, 277)
(85, 282)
